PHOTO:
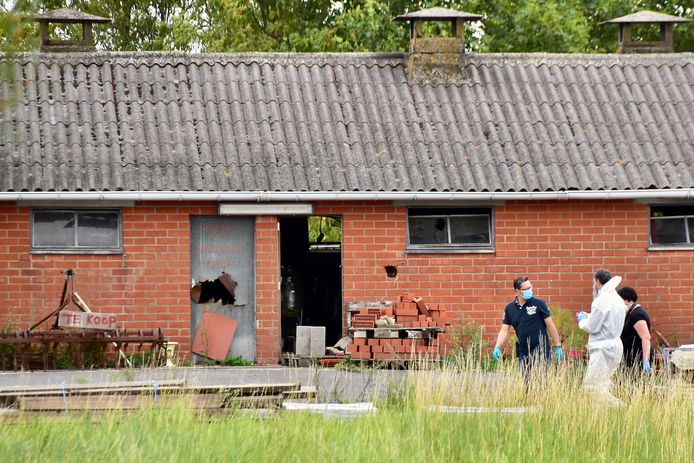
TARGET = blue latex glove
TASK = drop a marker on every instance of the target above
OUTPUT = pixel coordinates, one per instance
(496, 355)
(647, 367)
(559, 353)
(581, 316)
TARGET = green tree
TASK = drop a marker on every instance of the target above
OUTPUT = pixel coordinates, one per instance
(136, 24)
(16, 34)
(324, 229)
(264, 25)
(532, 26)
(343, 26)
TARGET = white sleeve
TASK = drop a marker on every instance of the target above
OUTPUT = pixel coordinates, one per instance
(594, 321)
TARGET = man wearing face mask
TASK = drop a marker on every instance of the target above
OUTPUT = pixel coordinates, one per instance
(604, 326)
(531, 320)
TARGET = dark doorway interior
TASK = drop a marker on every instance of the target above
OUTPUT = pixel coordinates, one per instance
(311, 261)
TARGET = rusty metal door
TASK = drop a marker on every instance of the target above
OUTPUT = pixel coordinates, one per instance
(226, 244)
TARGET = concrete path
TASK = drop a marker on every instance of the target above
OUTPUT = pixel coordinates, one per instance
(332, 385)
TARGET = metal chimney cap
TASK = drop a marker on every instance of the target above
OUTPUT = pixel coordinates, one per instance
(647, 17)
(68, 15)
(438, 14)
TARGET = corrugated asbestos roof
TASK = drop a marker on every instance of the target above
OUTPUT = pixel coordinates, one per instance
(349, 122)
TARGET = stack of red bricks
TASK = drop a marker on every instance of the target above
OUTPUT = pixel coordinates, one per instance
(412, 317)
(366, 318)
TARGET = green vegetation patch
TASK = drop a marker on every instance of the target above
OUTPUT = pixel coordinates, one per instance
(443, 415)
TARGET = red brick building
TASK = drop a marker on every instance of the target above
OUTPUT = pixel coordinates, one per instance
(147, 173)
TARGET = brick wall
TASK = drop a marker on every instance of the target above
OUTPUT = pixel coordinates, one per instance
(267, 298)
(558, 244)
(148, 285)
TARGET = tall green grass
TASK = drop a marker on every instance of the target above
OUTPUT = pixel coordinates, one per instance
(558, 423)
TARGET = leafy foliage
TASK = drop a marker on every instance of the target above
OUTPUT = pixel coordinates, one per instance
(570, 26)
(571, 335)
(324, 230)
(230, 362)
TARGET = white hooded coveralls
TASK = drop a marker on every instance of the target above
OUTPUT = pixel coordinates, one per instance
(604, 326)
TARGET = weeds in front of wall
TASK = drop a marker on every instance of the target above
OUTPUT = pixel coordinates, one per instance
(237, 361)
(7, 350)
(129, 372)
(350, 365)
(468, 348)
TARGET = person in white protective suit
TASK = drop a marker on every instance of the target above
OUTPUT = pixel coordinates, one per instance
(604, 326)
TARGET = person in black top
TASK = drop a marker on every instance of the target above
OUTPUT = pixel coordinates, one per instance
(531, 320)
(636, 335)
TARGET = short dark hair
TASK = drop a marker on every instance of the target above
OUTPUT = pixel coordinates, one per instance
(603, 276)
(519, 281)
(628, 293)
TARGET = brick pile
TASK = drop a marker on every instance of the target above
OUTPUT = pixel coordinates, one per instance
(413, 336)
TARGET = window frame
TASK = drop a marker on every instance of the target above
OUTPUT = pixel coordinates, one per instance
(76, 249)
(455, 211)
(687, 219)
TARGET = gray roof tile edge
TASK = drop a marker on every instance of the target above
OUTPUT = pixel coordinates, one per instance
(176, 58)
(380, 59)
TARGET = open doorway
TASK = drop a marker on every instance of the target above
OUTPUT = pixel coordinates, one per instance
(311, 263)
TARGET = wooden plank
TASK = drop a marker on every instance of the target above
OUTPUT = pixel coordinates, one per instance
(243, 389)
(90, 388)
(102, 402)
(386, 333)
(400, 327)
(148, 388)
(307, 392)
(96, 392)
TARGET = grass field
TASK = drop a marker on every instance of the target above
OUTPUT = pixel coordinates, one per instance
(558, 423)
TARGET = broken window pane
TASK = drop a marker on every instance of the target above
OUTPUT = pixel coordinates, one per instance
(428, 230)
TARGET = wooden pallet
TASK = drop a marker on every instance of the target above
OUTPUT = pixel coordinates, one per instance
(139, 395)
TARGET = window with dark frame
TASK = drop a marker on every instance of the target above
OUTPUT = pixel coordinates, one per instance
(448, 228)
(672, 225)
(76, 230)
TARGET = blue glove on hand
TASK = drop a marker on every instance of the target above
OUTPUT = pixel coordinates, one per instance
(647, 367)
(581, 316)
(496, 355)
(559, 353)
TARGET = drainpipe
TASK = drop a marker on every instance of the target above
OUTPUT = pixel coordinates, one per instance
(265, 196)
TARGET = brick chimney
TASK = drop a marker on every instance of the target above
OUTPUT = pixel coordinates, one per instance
(67, 16)
(664, 45)
(436, 59)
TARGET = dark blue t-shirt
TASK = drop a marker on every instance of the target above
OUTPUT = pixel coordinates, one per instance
(528, 321)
